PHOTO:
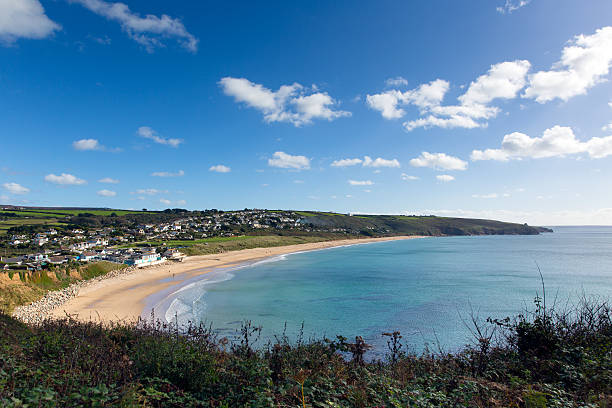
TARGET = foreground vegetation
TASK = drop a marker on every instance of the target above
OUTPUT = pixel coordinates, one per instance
(545, 358)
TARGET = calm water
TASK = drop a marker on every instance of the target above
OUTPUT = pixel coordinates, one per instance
(422, 287)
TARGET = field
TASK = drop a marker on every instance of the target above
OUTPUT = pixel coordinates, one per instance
(52, 217)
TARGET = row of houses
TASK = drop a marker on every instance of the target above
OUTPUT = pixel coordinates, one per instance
(138, 257)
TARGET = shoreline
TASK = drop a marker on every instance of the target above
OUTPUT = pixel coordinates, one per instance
(125, 297)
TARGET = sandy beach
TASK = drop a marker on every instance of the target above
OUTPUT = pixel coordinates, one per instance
(123, 298)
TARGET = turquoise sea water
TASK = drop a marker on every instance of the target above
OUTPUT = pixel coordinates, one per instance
(422, 287)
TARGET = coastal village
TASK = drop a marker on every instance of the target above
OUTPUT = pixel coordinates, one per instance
(137, 244)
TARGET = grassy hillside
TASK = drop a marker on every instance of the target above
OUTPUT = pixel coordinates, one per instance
(419, 225)
(543, 359)
(22, 287)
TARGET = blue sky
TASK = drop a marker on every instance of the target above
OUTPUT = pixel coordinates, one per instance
(496, 109)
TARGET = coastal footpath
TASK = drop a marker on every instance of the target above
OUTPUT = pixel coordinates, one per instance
(120, 296)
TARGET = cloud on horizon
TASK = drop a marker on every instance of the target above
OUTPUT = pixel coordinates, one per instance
(558, 141)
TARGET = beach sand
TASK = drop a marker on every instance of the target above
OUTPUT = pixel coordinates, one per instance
(122, 298)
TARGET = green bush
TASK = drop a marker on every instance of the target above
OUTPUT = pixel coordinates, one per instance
(66, 363)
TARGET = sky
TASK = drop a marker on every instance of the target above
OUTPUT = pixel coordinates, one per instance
(475, 108)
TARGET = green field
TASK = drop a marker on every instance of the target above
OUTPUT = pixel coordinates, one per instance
(51, 217)
(67, 213)
(16, 222)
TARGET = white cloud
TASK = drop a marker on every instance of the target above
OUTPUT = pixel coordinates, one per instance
(557, 141)
(486, 196)
(107, 193)
(219, 168)
(64, 179)
(380, 162)
(360, 182)
(607, 127)
(397, 81)
(445, 178)
(290, 103)
(87, 144)
(165, 201)
(439, 161)
(408, 177)
(598, 216)
(15, 188)
(287, 161)
(148, 133)
(149, 31)
(179, 173)
(346, 162)
(366, 162)
(108, 180)
(512, 5)
(584, 63)
(24, 19)
(91, 144)
(502, 81)
(149, 191)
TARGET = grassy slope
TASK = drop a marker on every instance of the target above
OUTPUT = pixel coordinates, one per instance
(397, 224)
(14, 292)
(216, 246)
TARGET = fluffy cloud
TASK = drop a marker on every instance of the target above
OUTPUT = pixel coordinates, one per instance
(148, 133)
(557, 141)
(445, 178)
(512, 5)
(426, 95)
(219, 168)
(439, 161)
(290, 103)
(24, 19)
(107, 193)
(287, 161)
(64, 179)
(165, 201)
(108, 180)
(366, 162)
(360, 182)
(15, 188)
(584, 63)
(179, 173)
(502, 81)
(149, 31)
(408, 177)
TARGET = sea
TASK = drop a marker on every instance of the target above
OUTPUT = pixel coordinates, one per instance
(428, 289)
